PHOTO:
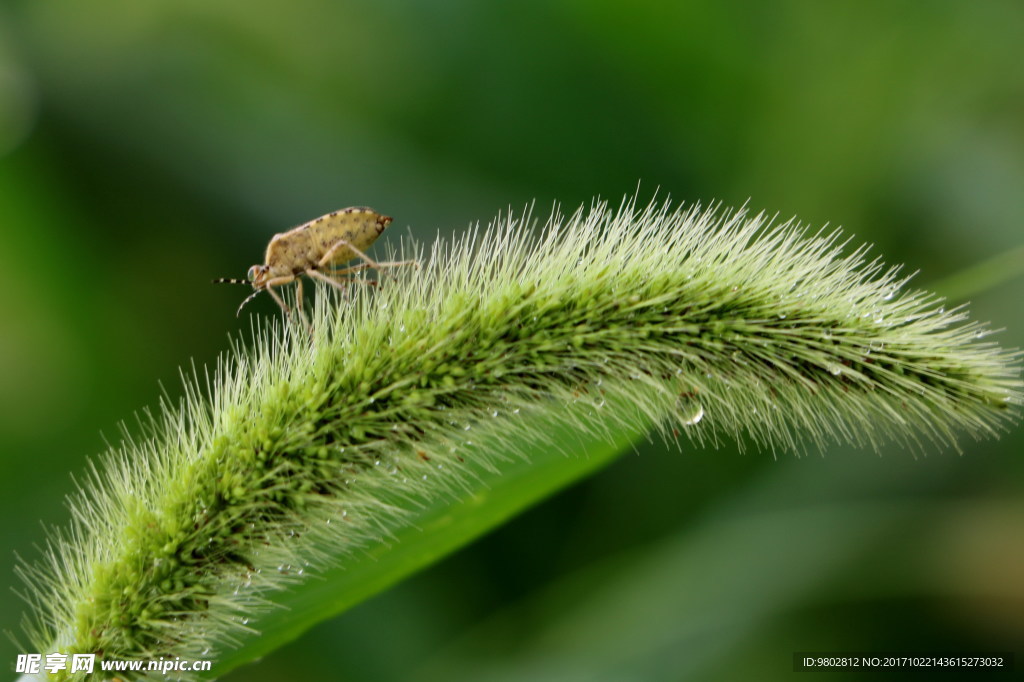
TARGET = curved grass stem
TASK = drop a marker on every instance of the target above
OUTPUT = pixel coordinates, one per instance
(303, 451)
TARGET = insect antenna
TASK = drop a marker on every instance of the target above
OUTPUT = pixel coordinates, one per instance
(231, 280)
(247, 299)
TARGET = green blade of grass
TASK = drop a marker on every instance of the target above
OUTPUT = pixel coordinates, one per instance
(981, 277)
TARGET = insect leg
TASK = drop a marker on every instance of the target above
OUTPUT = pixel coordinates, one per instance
(369, 262)
(324, 278)
(395, 264)
(280, 301)
(276, 282)
(354, 268)
(338, 273)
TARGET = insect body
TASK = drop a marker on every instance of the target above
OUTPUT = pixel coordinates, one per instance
(313, 249)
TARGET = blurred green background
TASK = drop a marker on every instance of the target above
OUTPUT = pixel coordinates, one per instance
(147, 146)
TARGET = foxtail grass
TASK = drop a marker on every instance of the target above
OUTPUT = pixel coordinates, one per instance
(299, 449)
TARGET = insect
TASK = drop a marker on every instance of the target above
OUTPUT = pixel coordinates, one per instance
(313, 249)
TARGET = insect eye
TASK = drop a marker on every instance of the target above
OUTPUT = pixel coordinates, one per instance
(254, 272)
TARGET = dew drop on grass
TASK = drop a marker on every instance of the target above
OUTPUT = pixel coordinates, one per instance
(690, 410)
(694, 416)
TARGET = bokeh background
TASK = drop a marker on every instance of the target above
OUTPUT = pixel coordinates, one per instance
(147, 146)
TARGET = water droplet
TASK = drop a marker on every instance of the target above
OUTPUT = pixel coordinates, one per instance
(694, 417)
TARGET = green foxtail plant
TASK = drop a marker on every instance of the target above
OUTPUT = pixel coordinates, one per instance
(704, 322)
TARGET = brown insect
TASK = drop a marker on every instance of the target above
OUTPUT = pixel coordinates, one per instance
(313, 249)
